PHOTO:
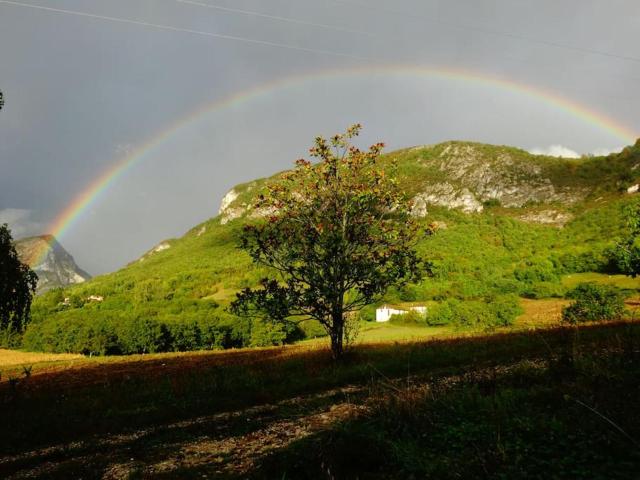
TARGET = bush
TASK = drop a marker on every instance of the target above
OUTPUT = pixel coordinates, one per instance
(412, 317)
(314, 329)
(444, 313)
(594, 302)
(184, 336)
(506, 309)
(536, 271)
(543, 290)
(265, 333)
(368, 313)
(143, 335)
(409, 293)
(501, 310)
(10, 338)
(589, 261)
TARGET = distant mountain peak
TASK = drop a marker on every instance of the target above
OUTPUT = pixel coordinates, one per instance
(53, 264)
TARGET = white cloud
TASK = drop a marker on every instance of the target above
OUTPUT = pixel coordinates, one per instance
(556, 151)
(602, 152)
(20, 222)
(560, 151)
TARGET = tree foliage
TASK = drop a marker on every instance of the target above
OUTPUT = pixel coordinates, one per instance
(115, 335)
(337, 234)
(498, 311)
(593, 302)
(17, 285)
(626, 254)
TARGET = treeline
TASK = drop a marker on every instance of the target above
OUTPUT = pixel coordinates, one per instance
(124, 336)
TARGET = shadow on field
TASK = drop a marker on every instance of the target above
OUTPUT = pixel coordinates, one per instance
(539, 420)
(220, 444)
(421, 408)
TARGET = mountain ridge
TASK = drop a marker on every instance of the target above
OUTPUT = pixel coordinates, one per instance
(466, 175)
(55, 267)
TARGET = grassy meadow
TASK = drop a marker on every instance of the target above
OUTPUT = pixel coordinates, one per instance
(10, 358)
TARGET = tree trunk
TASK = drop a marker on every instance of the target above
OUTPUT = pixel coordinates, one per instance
(337, 336)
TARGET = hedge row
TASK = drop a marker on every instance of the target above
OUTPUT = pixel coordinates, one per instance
(115, 336)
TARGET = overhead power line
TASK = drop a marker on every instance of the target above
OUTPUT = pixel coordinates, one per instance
(487, 31)
(179, 29)
(275, 17)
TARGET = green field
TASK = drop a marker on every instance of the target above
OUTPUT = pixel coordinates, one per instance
(620, 281)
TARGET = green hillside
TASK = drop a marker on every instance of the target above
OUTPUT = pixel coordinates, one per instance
(508, 224)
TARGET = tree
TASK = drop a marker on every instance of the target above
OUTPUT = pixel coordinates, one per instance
(626, 253)
(592, 303)
(17, 285)
(336, 234)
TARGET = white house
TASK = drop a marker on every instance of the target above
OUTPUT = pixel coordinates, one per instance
(383, 314)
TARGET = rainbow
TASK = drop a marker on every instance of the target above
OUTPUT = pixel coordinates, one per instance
(70, 215)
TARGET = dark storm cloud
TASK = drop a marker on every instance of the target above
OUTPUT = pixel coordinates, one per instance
(85, 81)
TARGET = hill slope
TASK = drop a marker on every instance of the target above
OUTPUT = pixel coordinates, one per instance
(469, 176)
(499, 210)
(56, 268)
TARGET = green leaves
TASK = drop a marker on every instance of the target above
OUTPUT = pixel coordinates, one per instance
(594, 302)
(336, 234)
(17, 285)
(626, 253)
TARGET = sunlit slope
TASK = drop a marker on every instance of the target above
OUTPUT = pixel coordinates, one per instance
(508, 222)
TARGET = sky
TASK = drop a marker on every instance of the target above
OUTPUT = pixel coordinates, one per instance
(197, 96)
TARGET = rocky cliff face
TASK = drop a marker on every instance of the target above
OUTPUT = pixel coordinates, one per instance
(55, 268)
(468, 176)
(472, 174)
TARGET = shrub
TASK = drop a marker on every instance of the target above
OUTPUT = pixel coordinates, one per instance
(536, 271)
(184, 336)
(506, 286)
(443, 313)
(409, 293)
(368, 313)
(506, 309)
(103, 339)
(471, 313)
(543, 290)
(265, 333)
(412, 317)
(143, 335)
(590, 261)
(10, 338)
(593, 302)
(313, 328)
(500, 310)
